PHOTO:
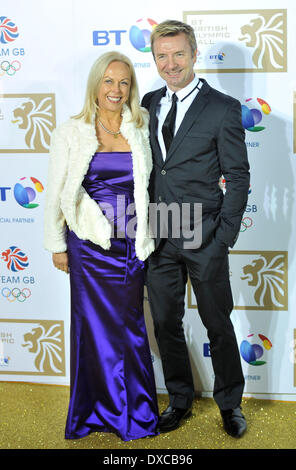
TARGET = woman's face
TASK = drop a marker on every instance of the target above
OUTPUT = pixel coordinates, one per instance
(115, 87)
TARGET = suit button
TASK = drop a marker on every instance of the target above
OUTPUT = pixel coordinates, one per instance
(163, 172)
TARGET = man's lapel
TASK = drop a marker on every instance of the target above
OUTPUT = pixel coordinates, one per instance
(153, 125)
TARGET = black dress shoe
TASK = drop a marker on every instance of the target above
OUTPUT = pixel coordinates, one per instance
(171, 418)
(234, 422)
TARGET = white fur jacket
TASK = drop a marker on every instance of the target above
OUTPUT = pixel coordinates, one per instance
(68, 204)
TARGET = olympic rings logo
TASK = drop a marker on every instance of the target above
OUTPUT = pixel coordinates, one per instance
(9, 68)
(16, 294)
(246, 222)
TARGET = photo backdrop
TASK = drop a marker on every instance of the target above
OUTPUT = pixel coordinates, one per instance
(46, 51)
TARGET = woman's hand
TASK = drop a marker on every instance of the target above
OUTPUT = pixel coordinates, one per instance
(60, 261)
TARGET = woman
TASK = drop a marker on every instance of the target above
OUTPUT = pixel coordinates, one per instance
(99, 170)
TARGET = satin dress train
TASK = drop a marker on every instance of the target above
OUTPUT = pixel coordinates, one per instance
(112, 385)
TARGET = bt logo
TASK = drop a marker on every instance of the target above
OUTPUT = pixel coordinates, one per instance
(24, 195)
(253, 116)
(139, 35)
(102, 38)
(220, 56)
(251, 352)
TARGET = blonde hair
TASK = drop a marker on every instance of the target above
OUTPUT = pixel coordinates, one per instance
(94, 81)
(172, 28)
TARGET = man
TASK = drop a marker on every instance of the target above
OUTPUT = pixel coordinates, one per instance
(206, 142)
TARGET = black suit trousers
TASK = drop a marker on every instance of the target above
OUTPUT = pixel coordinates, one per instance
(167, 273)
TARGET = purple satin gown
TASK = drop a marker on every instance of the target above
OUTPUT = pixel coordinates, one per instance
(112, 382)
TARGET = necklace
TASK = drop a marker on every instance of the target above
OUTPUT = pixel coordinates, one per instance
(116, 134)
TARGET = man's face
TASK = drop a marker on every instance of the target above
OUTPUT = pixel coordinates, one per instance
(174, 60)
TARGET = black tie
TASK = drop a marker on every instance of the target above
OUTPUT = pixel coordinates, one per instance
(168, 127)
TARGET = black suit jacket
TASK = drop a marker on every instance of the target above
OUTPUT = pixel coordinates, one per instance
(210, 142)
